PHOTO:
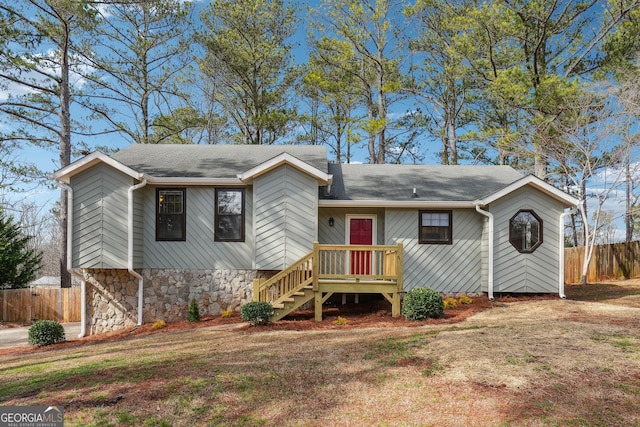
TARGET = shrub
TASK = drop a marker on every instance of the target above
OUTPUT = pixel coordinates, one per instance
(46, 332)
(257, 312)
(226, 314)
(194, 314)
(340, 321)
(465, 300)
(159, 324)
(450, 303)
(422, 303)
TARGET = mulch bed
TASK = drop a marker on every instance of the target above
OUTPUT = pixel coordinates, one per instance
(371, 312)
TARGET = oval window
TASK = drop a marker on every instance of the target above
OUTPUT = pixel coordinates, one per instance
(525, 231)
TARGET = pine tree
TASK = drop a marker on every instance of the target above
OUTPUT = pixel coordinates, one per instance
(18, 262)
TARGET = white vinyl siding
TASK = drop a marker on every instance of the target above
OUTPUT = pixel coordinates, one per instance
(445, 268)
(517, 272)
(100, 229)
(335, 235)
(199, 250)
(286, 220)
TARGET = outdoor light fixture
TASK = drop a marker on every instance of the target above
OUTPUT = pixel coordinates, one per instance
(331, 222)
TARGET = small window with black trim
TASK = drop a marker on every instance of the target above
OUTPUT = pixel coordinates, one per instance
(229, 215)
(435, 227)
(171, 224)
(525, 231)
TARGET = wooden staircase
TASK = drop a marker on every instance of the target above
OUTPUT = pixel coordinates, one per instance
(334, 268)
(297, 300)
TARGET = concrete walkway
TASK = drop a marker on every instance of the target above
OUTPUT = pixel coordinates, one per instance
(14, 337)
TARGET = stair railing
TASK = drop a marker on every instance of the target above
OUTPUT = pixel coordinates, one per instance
(286, 283)
(338, 262)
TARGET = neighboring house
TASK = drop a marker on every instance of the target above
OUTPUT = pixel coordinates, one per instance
(46, 281)
(51, 282)
(154, 226)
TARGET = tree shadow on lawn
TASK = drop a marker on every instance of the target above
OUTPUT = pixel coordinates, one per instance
(605, 292)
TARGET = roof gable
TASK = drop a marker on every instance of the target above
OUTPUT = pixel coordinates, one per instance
(285, 158)
(88, 162)
(530, 180)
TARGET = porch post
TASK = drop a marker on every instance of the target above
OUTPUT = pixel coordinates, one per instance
(315, 265)
(256, 289)
(396, 305)
(318, 306)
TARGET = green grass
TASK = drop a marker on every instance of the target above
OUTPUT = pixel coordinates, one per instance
(626, 343)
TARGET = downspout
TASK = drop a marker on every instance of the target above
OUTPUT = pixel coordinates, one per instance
(83, 284)
(561, 250)
(489, 215)
(130, 247)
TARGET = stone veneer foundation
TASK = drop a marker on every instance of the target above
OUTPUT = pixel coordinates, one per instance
(112, 295)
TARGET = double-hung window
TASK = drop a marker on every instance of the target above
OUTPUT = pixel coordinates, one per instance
(229, 215)
(171, 224)
(435, 227)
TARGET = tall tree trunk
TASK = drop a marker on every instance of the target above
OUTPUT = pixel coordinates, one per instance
(540, 161)
(453, 149)
(382, 114)
(65, 157)
(628, 215)
(444, 156)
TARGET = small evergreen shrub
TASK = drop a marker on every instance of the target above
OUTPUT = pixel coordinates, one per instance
(465, 300)
(226, 314)
(422, 303)
(257, 312)
(158, 324)
(450, 303)
(194, 314)
(46, 332)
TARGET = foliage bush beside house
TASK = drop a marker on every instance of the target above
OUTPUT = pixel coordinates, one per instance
(194, 312)
(46, 332)
(422, 303)
(257, 312)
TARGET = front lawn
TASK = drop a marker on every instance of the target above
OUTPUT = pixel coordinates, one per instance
(536, 362)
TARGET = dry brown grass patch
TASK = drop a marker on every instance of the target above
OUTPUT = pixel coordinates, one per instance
(520, 362)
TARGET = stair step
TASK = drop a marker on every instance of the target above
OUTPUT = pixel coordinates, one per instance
(277, 306)
(298, 294)
(288, 300)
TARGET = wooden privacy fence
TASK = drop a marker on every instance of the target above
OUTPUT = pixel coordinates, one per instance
(24, 305)
(617, 261)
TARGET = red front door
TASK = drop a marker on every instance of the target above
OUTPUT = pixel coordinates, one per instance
(360, 233)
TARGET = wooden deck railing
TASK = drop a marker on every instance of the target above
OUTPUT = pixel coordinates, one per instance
(357, 264)
(285, 284)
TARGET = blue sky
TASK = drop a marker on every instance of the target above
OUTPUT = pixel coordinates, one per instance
(47, 160)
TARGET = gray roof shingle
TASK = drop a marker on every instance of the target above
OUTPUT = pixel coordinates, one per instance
(211, 161)
(350, 181)
(432, 183)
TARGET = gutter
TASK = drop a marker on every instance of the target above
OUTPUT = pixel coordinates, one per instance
(83, 284)
(130, 246)
(561, 250)
(489, 215)
(412, 204)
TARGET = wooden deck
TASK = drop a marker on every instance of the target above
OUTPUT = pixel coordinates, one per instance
(330, 269)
